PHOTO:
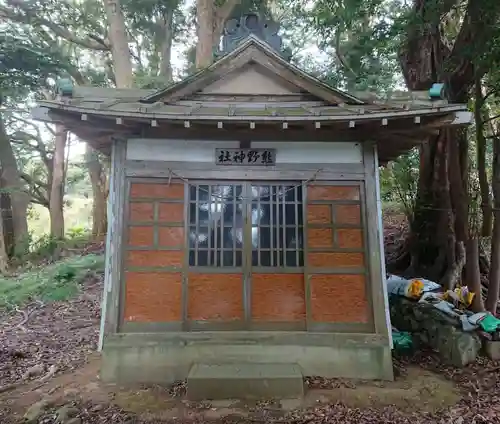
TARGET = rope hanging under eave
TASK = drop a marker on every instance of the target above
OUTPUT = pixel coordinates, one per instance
(280, 194)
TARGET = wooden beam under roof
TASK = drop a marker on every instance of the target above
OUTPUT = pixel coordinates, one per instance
(394, 136)
(249, 114)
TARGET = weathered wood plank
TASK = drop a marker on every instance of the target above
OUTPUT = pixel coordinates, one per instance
(158, 169)
(374, 242)
(113, 272)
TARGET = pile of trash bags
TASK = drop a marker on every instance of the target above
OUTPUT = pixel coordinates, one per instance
(454, 303)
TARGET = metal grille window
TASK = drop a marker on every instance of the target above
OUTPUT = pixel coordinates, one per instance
(277, 226)
(228, 222)
(216, 225)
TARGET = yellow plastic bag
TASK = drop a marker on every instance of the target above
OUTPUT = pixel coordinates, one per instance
(415, 289)
(461, 296)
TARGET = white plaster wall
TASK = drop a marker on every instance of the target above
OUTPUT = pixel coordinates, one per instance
(313, 151)
(204, 151)
(175, 150)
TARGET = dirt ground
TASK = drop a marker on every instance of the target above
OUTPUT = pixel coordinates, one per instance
(49, 374)
(97, 402)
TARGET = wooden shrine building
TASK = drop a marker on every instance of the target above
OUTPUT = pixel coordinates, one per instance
(244, 214)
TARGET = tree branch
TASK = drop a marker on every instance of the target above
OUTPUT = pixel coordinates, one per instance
(35, 187)
(35, 198)
(33, 182)
(340, 56)
(491, 118)
(490, 93)
(47, 127)
(31, 16)
(39, 147)
(223, 12)
(477, 23)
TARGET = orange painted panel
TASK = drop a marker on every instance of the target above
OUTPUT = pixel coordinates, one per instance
(171, 212)
(215, 297)
(141, 236)
(141, 211)
(157, 190)
(319, 214)
(348, 214)
(320, 237)
(333, 192)
(350, 238)
(153, 297)
(170, 236)
(154, 258)
(278, 297)
(339, 299)
(335, 260)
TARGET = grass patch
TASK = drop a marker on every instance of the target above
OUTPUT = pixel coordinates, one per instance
(58, 281)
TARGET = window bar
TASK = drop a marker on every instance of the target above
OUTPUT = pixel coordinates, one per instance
(210, 216)
(233, 227)
(277, 226)
(297, 255)
(271, 223)
(284, 226)
(222, 199)
(197, 223)
(257, 218)
(215, 205)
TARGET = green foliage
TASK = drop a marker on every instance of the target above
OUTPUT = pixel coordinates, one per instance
(57, 281)
(361, 41)
(77, 232)
(24, 65)
(399, 181)
(44, 247)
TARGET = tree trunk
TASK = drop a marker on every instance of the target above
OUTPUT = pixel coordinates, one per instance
(473, 273)
(4, 258)
(205, 27)
(122, 61)
(439, 229)
(99, 189)
(56, 206)
(481, 161)
(210, 23)
(13, 187)
(7, 221)
(167, 36)
(494, 277)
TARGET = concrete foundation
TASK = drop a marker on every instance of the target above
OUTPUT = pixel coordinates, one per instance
(244, 381)
(167, 357)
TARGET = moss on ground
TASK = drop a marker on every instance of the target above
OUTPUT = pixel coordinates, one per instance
(58, 281)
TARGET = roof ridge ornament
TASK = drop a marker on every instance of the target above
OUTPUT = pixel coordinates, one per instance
(238, 29)
(64, 87)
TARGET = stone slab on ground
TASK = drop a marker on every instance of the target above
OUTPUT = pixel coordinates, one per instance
(492, 349)
(244, 381)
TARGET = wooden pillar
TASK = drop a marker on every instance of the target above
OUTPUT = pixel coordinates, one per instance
(110, 303)
(375, 241)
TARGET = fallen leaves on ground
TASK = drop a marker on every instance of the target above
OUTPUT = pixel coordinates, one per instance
(60, 336)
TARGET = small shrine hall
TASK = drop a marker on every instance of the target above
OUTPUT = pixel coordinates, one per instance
(245, 231)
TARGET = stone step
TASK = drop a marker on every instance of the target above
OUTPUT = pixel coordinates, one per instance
(244, 381)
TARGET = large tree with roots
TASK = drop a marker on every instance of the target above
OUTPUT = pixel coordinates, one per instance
(459, 58)
(455, 42)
